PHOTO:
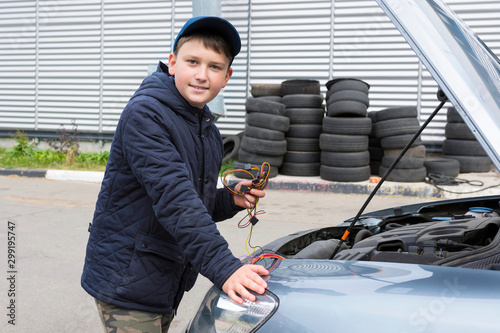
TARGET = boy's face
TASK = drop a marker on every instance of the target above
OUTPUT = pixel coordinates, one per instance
(200, 73)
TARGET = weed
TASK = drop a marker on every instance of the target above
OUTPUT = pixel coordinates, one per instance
(68, 144)
(24, 146)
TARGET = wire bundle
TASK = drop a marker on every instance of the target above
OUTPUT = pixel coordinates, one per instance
(264, 256)
(259, 181)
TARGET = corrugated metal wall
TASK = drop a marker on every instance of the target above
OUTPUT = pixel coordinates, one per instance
(64, 61)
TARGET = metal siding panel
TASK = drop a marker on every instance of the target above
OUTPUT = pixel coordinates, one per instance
(133, 38)
(17, 59)
(68, 67)
(235, 93)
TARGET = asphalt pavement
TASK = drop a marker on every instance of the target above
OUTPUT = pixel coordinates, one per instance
(49, 219)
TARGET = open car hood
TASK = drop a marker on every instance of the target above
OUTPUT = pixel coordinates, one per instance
(462, 65)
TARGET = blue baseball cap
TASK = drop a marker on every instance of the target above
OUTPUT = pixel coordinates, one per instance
(217, 24)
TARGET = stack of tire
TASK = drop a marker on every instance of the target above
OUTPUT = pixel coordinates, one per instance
(374, 147)
(395, 127)
(345, 130)
(264, 136)
(304, 109)
(461, 145)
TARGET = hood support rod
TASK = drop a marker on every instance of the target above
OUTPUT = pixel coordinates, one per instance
(442, 97)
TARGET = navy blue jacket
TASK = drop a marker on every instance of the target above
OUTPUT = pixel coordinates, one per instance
(153, 228)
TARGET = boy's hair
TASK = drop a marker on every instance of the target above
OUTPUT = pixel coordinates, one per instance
(211, 40)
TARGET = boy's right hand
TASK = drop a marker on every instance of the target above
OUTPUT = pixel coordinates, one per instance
(245, 277)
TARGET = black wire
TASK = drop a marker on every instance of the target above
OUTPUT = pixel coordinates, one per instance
(386, 174)
(437, 179)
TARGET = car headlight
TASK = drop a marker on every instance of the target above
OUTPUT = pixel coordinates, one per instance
(218, 313)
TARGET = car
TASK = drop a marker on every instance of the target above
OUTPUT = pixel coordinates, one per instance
(428, 267)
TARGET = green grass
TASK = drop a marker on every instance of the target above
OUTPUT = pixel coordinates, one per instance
(25, 156)
(50, 159)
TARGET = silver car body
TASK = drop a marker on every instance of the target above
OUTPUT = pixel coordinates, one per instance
(319, 295)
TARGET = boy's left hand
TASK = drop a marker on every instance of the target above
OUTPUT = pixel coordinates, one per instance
(247, 200)
(244, 278)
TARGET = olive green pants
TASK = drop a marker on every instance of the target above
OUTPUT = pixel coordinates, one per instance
(118, 320)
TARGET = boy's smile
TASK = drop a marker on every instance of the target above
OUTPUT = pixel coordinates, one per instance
(200, 73)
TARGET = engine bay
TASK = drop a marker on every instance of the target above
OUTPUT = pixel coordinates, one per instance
(466, 238)
(433, 243)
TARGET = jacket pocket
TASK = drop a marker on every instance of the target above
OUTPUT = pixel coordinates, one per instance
(154, 274)
(149, 244)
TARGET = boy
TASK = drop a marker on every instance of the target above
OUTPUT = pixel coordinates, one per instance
(153, 228)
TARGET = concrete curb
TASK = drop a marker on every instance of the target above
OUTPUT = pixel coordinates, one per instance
(310, 184)
(23, 173)
(85, 176)
(316, 184)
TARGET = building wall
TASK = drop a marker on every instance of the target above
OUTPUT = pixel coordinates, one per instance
(79, 61)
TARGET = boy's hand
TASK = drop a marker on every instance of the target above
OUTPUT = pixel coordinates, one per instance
(245, 277)
(247, 200)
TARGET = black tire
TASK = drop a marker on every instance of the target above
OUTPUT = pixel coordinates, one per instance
(445, 166)
(291, 87)
(463, 148)
(459, 131)
(258, 90)
(302, 101)
(302, 144)
(372, 115)
(231, 146)
(416, 152)
(300, 169)
(452, 116)
(399, 141)
(305, 115)
(239, 165)
(343, 143)
(347, 125)
(304, 131)
(263, 105)
(337, 174)
(399, 112)
(347, 108)
(349, 95)
(472, 163)
(249, 157)
(302, 157)
(397, 126)
(263, 147)
(264, 133)
(269, 121)
(276, 99)
(345, 159)
(347, 84)
(404, 163)
(404, 175)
